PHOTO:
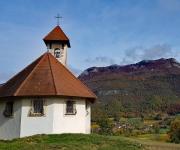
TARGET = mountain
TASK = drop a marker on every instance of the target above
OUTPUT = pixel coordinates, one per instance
(146, 86)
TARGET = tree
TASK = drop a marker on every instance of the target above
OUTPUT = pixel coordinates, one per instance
(174, 132)
(174, 108)
(113, 109)
(98, 112)
(105, 126)
(135, 122)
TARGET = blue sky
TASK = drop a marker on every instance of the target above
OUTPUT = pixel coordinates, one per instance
(101, 32)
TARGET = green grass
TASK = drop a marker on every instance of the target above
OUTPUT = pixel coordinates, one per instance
(70, 142)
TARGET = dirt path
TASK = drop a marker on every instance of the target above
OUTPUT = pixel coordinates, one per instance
(160, 146)
(153, 145)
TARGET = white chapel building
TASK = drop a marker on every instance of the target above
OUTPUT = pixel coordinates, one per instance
(45, 97)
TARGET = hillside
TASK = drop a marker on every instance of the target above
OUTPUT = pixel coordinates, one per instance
(70, 142)
(147, 86)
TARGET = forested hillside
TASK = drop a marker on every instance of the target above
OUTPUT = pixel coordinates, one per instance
(146, 87)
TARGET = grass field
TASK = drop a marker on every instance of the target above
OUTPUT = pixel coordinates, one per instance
(70, 142)
(85, 142)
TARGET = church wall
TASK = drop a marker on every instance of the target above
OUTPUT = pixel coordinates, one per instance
(62, 59)
(31, 125)
(10, 126)
(55, 121)
(69, 123)
(56, 45)
(88, 118)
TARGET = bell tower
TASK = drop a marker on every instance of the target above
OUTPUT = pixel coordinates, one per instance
(57, 44)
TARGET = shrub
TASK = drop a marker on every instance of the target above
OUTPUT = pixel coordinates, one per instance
(95, 128)
(135, 122)
(156, 128)
(105, 125)
(158, 117)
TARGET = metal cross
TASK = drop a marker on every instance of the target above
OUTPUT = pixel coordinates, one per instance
(58, 17)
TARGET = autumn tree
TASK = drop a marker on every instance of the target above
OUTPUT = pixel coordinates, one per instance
(174, 132)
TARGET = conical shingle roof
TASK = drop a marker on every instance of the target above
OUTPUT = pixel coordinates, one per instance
(46, 76)
(55, 35)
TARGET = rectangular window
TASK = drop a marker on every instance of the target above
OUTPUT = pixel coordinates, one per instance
(8, 112)
(87, 107)
(37, 107)
(70, 108)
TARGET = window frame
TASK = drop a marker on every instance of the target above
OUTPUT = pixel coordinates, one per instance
(7, 114)
(74, 111)
(37, 114)
(87, 107)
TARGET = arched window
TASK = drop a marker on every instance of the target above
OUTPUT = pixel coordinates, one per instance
(57, 53)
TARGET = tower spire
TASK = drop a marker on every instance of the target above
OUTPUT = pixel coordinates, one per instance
(58, 17)
(57, 43)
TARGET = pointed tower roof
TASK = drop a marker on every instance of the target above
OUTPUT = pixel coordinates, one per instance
(57, 35)
(46, 76)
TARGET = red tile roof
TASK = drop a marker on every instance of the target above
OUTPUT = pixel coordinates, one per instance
(57, 34)
(46, 76)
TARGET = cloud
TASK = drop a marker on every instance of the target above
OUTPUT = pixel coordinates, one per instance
(140, 53)
(100, 60)
(136, 54)
(157, 51)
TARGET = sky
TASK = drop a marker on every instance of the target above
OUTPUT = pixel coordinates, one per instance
(101, 32)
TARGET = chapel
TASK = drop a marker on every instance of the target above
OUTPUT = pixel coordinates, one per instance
(45, 97)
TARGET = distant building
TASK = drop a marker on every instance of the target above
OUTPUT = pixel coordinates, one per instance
(45, 97)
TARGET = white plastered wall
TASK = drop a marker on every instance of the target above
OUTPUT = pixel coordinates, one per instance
(36, 125)
(69, 123)
(55, 120)
(62, 59)
(10, 126)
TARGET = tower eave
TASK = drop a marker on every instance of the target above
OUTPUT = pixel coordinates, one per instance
(58, 41)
